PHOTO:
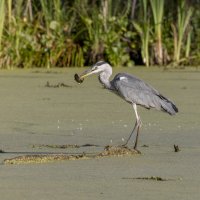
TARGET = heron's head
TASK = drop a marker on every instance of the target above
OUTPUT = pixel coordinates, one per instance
(99, 67)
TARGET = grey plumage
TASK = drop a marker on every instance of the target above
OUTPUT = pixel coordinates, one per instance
(133, 90)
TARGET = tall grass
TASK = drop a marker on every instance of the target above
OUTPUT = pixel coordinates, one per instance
(102, 30)
(9, 6)
(69, 33)
(2, 17)
(158, 12)
(179, 30)
(143, 29)
(39, 38)
(188, 43)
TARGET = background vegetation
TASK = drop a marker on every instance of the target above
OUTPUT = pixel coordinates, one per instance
(65, 33)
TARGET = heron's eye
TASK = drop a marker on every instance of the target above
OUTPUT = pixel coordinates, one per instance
(95, 68)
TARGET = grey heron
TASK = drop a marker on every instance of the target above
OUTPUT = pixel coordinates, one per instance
(133, 90)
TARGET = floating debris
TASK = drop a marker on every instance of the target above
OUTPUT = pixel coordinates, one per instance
(63, 146)
(58, 85)
(145, 145)
(176, 148)
(153, 178)
(89, 145)
(46, 72)
(1, 151)
(184, 87)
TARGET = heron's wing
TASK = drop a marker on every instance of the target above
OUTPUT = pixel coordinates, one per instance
(135, 90)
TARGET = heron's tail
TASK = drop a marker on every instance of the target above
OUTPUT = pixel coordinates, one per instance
(168, 106)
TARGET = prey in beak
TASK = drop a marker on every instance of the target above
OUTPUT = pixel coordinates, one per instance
(78, 79)
(90, 71)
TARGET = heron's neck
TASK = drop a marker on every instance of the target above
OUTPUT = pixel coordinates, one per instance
(104, 79)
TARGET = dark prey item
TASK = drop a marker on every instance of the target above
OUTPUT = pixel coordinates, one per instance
(78, 79)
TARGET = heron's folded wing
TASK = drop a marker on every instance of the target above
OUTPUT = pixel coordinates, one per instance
(134, 90)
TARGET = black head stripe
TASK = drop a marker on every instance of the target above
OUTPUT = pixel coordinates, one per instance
(100, 63)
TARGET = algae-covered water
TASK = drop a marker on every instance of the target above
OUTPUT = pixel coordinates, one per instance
(42, 110)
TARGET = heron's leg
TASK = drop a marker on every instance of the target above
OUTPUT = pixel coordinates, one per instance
(137, 123)
(130, 134)
(137, 135)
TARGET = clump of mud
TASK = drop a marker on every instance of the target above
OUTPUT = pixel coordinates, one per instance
(117, 151)
(28, 159)
(63, 146)
(45, 158)
(2, 151)
(58, 85)
(154, 178)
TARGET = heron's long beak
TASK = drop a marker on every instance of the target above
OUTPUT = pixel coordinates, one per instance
(87, 73)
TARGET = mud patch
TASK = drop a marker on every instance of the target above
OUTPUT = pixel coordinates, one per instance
(153, 178)
(55, 146)
(2, 151)
(117, 151)
(63, 146)
(58, 85)
(46, 158)
(29, 159)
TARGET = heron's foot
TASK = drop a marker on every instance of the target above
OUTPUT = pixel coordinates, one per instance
(124, 145)
(137, 151)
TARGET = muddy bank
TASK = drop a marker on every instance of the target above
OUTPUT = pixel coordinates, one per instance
(46, 158)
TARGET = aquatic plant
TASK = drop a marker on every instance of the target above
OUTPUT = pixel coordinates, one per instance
(2, 17)
(76, 33)
(180, 30)
(143, 29)
(158, 12)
